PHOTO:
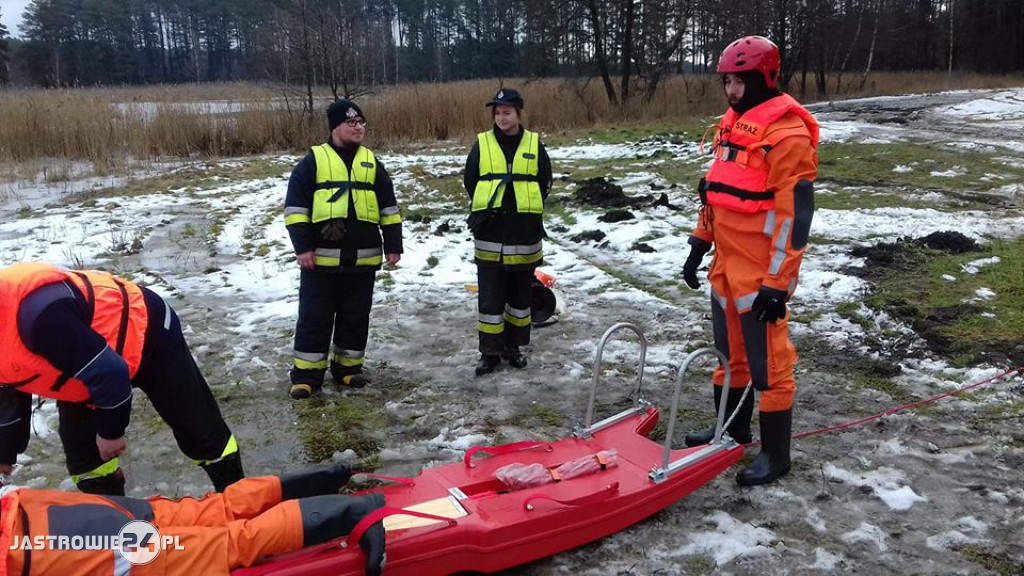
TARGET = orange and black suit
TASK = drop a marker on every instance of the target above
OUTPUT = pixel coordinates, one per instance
(86, 339)
(757, 208)
(215, 534)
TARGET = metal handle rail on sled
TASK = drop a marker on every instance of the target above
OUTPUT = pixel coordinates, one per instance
(721, 441)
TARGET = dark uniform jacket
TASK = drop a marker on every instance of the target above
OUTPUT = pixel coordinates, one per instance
(357, 234)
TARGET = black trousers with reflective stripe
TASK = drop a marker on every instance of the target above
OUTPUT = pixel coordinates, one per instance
(499, 287)
(337, 302)
(174, 385)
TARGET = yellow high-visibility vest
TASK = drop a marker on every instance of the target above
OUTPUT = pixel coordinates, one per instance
(495, 176)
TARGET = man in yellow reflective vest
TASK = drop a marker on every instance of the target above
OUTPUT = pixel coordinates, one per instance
(508, 175)
(343, 220)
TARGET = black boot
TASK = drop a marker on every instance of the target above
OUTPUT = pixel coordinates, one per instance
(109, 485)
(773, 461)
(515, 358)
(305, 383)
(327, 517)
(739, 430)
(348, 376)
(225, 472)
(315, 481)
(487, 364)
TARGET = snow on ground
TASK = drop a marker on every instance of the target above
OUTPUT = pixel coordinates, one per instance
(895, 495)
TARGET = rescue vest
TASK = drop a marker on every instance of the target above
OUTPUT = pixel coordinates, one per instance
(495, 176)
(335, 183)
(738, 178)
(118, 312)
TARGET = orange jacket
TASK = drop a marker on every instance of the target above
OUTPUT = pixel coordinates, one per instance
(118, 315)
(759, 158)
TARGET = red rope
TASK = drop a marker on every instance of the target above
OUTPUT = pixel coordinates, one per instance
(911, 405)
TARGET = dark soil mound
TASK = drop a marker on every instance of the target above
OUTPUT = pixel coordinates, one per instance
(896, 254)
(643, 247)
(949, 241)
(613, 216)
(663, 201)
(600, 192)
(906, 251)
(589, 235)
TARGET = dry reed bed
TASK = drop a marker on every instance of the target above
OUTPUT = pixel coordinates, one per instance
(156, 122)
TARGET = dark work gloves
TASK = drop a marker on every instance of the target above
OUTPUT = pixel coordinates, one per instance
(769, 305)
(698, 249)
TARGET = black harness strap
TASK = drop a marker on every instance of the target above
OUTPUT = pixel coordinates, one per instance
(122, 330)
(26, 567)
(739, 192)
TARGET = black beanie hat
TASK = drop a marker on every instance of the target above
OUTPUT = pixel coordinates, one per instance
(755, 92)
(341, 110)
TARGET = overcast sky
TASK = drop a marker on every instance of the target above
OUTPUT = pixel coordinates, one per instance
(10, 14)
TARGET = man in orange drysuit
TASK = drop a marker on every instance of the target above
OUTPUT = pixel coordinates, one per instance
(757, 205)
(253, 517)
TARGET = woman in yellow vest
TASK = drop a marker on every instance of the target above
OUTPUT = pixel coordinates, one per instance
(508, 175)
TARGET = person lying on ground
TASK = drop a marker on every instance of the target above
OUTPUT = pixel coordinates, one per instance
(252, 518)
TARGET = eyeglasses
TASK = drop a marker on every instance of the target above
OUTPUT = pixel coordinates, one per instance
(353, 122)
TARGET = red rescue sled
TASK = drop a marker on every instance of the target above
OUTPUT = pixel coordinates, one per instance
(460, 517)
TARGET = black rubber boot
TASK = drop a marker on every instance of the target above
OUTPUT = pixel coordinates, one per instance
(225, 472)
(739, 430)
(773, 461)
(487, 364)
(315, 481)
(514, 357)
(109, 485)
(327, 517)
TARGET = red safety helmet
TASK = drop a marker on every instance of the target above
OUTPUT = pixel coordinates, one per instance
(752, 53)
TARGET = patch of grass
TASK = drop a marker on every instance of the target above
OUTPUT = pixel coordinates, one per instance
(683, 130)
(950, 315)
(432, 261)
(998, 563)
(555, 207)
(387, 281)
(859, 164)
(856, 198)
(544, 415)
(446, 189)
(883, 385)
(851, 311)
(329, 425)
(688, 171)
(701, 564)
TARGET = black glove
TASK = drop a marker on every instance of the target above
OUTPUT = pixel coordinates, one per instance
(698, 249)
(769, 305)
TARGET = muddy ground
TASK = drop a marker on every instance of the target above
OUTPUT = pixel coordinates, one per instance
(936, 490)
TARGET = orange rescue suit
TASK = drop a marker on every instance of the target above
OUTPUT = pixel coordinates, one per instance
(216, 533)
(118, 315)
(752, 216)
